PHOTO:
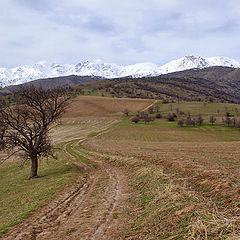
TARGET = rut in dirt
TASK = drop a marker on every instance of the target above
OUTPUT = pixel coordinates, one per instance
(97, 209)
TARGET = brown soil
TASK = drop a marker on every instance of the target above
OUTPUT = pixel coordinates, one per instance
(101, 106)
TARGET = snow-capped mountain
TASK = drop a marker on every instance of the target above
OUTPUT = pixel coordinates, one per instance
(22, 74)
(191, 62)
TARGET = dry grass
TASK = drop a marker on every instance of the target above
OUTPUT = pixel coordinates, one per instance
(75, 128)
(166, 210)
(203, 165)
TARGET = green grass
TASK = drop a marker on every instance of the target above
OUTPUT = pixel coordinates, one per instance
(77, 156)
(196, 108)
(20, 196)
(163, 131)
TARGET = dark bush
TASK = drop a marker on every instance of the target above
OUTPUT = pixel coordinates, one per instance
(228, 121)
(189, 120)
(158, 115)
(171, 117)
(148, 119)
(180, 122)
(150, 110)
(135, 119)
(181, 113)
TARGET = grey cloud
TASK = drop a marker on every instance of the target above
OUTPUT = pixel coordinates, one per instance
(117, 31)
(38, 5)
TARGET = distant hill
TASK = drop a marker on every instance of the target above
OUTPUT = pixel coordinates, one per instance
(211, 73)
(207, 84)
(50, 83)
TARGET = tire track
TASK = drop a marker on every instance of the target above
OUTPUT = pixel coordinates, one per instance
(85, 213)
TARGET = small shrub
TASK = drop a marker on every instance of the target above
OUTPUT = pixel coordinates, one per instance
(148, 119)
(181, 113)
(142, 115)
(227, 114)
(150, 110)
(158, 115)
(171, 117)
(135, 119)
(165, 101)
(180, 122)
(212, 120)
(228, 121)
(189, 120)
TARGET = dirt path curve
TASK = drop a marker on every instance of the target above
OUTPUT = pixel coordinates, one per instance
(95, 210)
(146, 108)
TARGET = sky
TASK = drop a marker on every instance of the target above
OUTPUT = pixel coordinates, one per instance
(117, 31)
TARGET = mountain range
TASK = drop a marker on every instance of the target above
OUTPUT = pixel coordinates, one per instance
(97, 68)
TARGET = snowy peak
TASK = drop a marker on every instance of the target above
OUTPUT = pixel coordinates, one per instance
(97, 68)
(223, 61)
(191, 62)
(22, 74)
(140, 70)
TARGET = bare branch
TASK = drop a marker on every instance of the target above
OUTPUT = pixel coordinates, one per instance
(25, 125)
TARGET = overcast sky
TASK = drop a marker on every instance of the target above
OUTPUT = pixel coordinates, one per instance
(118, 31)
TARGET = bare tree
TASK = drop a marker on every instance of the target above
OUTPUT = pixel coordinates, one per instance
(228, 121)
(189, 120)
(212, 120)
(200, 119)
(26, 124)
(180, 122)
(126, 112)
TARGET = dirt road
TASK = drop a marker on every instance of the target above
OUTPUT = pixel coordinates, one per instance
(94, 210)
(146, 108)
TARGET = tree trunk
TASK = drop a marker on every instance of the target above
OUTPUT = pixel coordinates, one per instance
(34, 167)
